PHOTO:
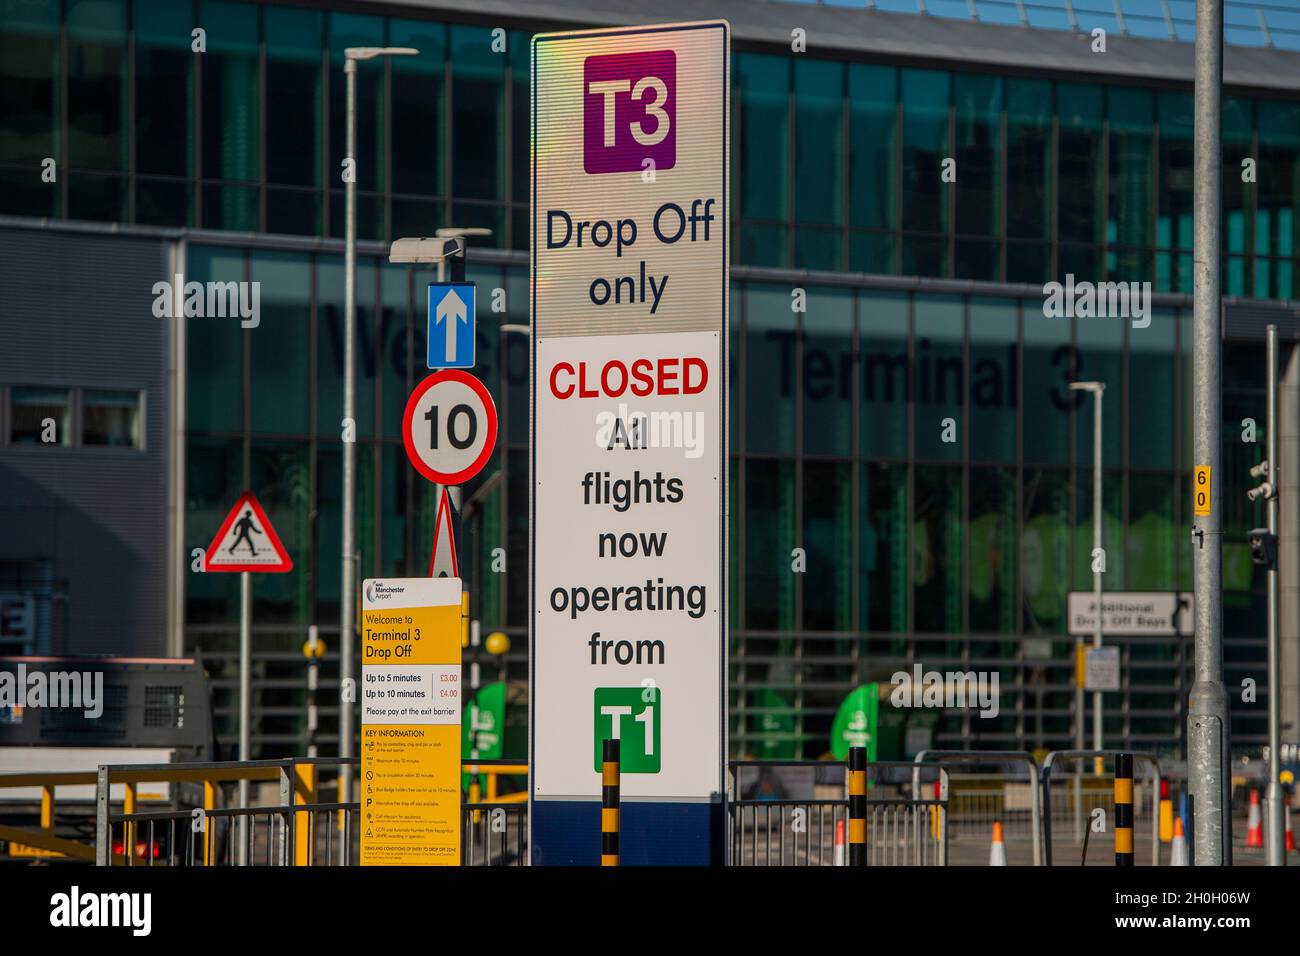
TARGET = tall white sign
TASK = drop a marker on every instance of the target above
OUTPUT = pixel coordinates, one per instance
(629, 473)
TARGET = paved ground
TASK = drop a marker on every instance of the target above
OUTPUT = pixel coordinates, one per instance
(1101, 852)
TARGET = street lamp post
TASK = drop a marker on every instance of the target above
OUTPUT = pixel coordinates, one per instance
(1097, 389)
(1276, 829)
(347, 607)
(1209, 780)
(1263, 547)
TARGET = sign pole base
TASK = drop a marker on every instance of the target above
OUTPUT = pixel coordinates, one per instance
(567, 833)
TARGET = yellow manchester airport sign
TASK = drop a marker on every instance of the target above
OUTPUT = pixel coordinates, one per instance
(410, 721)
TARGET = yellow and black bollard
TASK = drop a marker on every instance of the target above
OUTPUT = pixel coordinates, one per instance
(609, 805)
(857, 806)
(1123, 809)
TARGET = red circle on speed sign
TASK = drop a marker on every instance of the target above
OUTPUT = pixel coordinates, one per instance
(449, 427)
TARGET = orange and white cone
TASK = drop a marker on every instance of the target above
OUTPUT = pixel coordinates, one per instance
(838, 859)
(1178, 852)
(934, 812)
(1166, 813)
(998, 851)
(1254, 826)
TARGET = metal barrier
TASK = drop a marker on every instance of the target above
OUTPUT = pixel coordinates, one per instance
(494, 834)
(770, 827)
(986, 757)
(298, 829)
(771, 820)
(1149, 759)
(277, 838)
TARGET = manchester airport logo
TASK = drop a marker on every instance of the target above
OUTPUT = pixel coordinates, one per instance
(378, 591)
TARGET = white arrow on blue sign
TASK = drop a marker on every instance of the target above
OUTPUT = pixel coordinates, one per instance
(451, 325)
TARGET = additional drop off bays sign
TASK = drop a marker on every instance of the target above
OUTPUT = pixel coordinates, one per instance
(629, 479)
(410, 721)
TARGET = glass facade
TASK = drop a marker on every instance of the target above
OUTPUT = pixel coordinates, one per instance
(1257, 23)
(1005, 178)
(957, 554)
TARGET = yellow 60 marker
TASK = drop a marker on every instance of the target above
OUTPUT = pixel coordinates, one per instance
(1201, 490)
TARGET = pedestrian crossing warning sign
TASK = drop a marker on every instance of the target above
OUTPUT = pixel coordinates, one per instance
(247, 541)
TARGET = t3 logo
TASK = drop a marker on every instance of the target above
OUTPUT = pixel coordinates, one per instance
(630, 111)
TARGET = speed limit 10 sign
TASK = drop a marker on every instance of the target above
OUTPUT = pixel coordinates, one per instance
(449, 427)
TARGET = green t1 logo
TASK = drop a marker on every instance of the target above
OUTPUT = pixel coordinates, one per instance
(631, 716)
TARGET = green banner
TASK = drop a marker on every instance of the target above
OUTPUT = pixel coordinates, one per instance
(855, 723)
(482, 726)
(773, 726)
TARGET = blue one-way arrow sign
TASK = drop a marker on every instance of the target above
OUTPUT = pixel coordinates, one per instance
(451, 325)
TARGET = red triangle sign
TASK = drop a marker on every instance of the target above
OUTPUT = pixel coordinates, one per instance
(247, 541)
(443, 562)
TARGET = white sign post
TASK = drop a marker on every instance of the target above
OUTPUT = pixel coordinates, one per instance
(246, 542)
(628, 563)
(449, 429)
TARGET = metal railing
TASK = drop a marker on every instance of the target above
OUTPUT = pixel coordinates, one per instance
(770, 825)
(991, 757)
(299, 827)
(270, 831)
(1149, 759)
(319, 834)
(783, 813)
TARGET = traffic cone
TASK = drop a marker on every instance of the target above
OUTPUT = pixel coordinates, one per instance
(1166, 813)
(1254, 827)
(838, 859)
(998, 851)
(1178, 852)
(934, 813)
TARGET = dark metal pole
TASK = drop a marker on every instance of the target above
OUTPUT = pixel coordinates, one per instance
(1274, 829)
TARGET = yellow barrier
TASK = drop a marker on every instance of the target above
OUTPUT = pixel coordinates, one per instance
(304, 791)
(46, 841)
(209, 803)
(493, 772)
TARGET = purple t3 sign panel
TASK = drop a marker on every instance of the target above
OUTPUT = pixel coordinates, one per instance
(630, 111)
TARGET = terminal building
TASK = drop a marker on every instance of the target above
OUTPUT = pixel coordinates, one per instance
(134, 150)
